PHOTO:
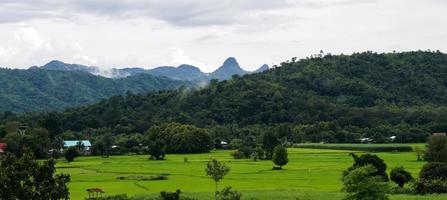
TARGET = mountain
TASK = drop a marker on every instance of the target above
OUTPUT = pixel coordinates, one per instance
(183, 72)
(229, 68)
(264, 67)
(39, 89)
(335, 98)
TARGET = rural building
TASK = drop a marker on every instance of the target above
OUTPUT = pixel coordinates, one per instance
(86, 143)
(439, 134)
(2, 148)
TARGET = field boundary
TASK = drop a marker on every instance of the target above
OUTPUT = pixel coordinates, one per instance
(369, 148)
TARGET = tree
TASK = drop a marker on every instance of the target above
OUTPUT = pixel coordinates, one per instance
(107, 141)
(26, 178)
(157, 150)
(280, 156)
(71, 153)
(269, 142)
(436, 150)
(370, 159)
(360, 185)
(216, 170)
(400, 176)
(434, 170)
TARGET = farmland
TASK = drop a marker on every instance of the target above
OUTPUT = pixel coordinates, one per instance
(310, 174)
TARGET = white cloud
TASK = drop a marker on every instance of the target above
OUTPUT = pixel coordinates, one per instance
(149, 33)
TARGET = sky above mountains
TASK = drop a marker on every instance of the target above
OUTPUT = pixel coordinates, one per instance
(150, 33)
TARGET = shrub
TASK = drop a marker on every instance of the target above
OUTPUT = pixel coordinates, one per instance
(361, 185)
(357, 148)
(400, 176)
(113, 197)
(436, 150)
(228, 194)
(434, 170)
(170, 195)
(429, 186)
(237, 154)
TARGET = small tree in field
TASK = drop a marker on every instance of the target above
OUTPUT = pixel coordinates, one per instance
(157, 150)
(436, 150)
(360, 185)
(71, 153)
(217, 170)
(400, 176)
(280, 156)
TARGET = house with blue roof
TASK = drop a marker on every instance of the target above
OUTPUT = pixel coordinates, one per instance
(86, 150)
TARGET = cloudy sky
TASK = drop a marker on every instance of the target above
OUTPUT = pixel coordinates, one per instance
(149, 33)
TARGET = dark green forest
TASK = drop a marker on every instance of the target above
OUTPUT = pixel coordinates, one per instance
(41, 90)
(325, 98)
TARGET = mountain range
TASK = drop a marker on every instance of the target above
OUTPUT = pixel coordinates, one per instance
(333, 98)
(182, 72)
(58, 85)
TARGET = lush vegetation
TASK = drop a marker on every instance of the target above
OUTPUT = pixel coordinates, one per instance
(49, 90)
(331, 99)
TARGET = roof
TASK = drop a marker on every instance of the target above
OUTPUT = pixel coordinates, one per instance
(2, 147)
(72, 143)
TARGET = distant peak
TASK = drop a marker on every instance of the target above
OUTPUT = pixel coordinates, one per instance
(231, 61)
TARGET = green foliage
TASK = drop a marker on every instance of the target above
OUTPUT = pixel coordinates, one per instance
(25, 178)
(436, 150)
(71, 153)
(280, 156)
(157, 149)
(430, 186)
(180, 138)
(329, 99)
(369, 159)
(269, 142)
(35, 140)
(434, 170)
(400, 176)
(217, 171)
(44, 90)
(228, 194)
(374, 148)
(359, 184)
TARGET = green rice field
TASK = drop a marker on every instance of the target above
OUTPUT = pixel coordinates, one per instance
(310, 174)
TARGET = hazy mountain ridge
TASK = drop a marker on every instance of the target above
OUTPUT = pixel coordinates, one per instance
(182, 72)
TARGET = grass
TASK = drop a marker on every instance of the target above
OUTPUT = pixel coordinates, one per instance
(310, 174)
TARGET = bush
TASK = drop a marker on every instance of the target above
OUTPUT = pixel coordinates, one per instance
(400, 176)
(436, 150)
(173, 196)
(361, 185)
(237, 154)
(434, 170)
(113, 197)
(228, 194)
(71, 153)
(429, 186)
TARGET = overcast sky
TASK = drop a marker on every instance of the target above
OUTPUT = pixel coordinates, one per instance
(149, 33)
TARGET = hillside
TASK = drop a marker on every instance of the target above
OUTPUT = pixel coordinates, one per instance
(46, 90)
(332, 98)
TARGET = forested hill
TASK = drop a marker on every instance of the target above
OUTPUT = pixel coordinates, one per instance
(332, 97)
(43, 90)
